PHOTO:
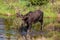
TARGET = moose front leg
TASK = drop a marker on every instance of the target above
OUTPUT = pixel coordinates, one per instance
(29, 28)
(29, 31)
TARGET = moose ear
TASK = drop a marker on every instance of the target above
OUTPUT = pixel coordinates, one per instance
(19, 15)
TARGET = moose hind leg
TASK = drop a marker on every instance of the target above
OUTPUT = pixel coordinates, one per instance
(41, 21)
(41, 28)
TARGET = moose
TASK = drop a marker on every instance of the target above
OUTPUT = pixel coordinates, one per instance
(30, 18)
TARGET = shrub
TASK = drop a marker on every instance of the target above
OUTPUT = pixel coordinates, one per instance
(49, 34)
(57, 27)
(38, 2)
(57, 37)
(17, 23)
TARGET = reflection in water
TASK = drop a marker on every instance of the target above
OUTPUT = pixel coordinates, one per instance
(4, 37)
(4, 32)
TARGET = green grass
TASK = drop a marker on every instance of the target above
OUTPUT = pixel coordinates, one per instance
(49, 14)
(10, 8)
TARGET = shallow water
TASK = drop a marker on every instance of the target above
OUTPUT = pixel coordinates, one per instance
(3, 32)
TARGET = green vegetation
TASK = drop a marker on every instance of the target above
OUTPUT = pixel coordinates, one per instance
(10, 7)
(24, 6)
(38, 2)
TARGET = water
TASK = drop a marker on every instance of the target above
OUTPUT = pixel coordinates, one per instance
(3, 31)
